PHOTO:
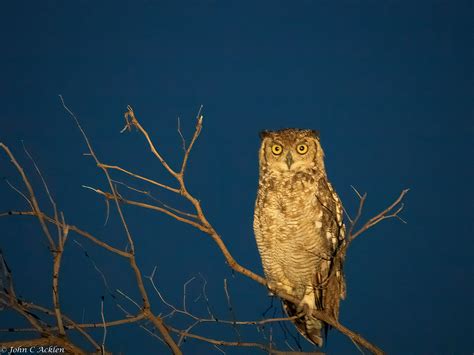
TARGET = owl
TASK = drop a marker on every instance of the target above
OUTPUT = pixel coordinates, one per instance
(298, 226)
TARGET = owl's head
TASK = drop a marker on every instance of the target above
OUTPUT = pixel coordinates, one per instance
(291, 150)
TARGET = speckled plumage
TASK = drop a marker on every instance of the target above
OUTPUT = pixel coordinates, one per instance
(298, 225)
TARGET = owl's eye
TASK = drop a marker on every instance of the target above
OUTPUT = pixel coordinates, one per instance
(277, 149)
(302, 148)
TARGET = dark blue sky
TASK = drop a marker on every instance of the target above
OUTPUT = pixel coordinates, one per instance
(389, 85)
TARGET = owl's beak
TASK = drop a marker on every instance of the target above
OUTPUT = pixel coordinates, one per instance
(289, 160)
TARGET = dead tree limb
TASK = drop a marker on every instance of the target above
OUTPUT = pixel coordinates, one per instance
(197, 219)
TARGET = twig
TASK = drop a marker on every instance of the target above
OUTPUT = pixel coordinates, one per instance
(357, 192)
(102, 348)
(219, 349)
(183, 141)
(153, 182)
(131, 120)
(381, 216)
(359, 211)
(34, 202)
(56, 303)
(193, 140)
(46, 188)
(128, 298)
(17, 190)
(184, 292)
(94, 264)
(231, 310)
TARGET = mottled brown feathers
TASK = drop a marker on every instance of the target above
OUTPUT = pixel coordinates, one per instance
(310, 132)
(298, 226)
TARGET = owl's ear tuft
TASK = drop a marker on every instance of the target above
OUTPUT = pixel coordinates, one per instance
(264, 134)
(315, 134)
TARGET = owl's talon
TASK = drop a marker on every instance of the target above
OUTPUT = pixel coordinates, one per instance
(307, 304)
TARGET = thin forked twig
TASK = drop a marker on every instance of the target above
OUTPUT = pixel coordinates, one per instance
(34, 202)
(231, 309)
(183, 141)
(46, 188)
(386, 213)
(102, 347)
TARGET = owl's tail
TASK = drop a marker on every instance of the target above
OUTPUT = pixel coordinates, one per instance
(308, 326)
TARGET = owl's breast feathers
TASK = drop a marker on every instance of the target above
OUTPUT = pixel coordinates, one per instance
(298, 227)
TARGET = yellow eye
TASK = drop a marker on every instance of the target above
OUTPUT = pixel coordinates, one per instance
(277, 149)
(302, 148)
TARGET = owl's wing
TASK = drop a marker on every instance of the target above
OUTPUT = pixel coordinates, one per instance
(330, 283)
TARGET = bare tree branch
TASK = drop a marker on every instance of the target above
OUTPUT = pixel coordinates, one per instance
(157, 321)
(386, 213)
(233, 263)
(196, 219)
